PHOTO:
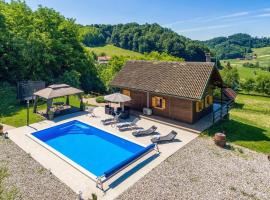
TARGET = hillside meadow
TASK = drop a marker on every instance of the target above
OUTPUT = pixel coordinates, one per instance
(263, 57)
(111, 50)
(249, 124)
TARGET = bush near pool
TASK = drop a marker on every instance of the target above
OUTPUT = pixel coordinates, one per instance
(100, 99)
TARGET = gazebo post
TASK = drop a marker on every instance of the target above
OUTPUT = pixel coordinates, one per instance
(67, 100)
(49, 105)
(81, 102)
(35, 104)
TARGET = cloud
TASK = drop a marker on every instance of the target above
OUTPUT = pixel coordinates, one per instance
(239, 14)
(205, 28)
(208, 19)
(183, 21)
(263, 15)
(266, 9)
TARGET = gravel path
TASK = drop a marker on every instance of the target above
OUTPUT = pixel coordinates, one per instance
(29, 177)
(201, 170)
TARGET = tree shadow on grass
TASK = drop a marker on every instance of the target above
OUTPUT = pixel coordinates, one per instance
(238, 131)
(238, 105)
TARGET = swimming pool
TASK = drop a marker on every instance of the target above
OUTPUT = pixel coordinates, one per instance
(95, 150)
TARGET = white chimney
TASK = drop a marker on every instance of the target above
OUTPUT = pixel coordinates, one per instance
(207, 57)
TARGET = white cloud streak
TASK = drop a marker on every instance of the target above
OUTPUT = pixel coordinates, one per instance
(202, 28)
(206, 19)
(263, 15)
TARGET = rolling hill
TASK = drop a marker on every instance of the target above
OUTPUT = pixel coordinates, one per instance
(263, 58)
(111, 50)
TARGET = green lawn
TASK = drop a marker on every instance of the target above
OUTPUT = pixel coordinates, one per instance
(249, 123)
(263, 57)
(111, 50)
(14, 114)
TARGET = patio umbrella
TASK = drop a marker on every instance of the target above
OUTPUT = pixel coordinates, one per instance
(117, 98)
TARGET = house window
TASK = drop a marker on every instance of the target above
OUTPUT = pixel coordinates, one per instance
(208, 101)
(199, 106)
(158, 102)
(126, 92)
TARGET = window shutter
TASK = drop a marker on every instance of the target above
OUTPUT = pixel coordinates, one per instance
(163, 103)
(211, 100)
(201, 105)
(153, 101)
(126, 92)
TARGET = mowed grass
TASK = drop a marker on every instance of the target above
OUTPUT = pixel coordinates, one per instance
(15, 114)
(249, 124)
(111, 50)
(263, 57)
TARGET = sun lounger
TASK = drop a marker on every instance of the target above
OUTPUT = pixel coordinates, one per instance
(128, 124)
(149, 131)
(168, 138)
(111, 121)
(90, 110)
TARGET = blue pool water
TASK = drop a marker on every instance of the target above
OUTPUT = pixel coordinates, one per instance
(97, 151)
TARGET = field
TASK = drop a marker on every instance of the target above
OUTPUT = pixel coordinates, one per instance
(14, 114)
(111, 50)
(249, 123)
(263, 57)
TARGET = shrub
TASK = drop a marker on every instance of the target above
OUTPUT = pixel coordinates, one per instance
(100, 99)
(248, 85)
(231, 77)
(263, 84)
(72, 78)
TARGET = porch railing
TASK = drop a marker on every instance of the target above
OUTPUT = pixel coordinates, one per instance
(223, 111)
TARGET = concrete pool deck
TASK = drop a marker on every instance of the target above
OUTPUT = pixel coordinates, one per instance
(75, 179)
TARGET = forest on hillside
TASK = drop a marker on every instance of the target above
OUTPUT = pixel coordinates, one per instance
(42, 45)
(144, 38)
(235, 46)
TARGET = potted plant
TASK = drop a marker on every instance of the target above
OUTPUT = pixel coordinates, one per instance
(50, 115)
(1, 129)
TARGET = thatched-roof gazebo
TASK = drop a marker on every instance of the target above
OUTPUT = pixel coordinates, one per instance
(54, 91)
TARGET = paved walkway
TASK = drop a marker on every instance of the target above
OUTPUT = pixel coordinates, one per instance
(7, 127)
(76, 180)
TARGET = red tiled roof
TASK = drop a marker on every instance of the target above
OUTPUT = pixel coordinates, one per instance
(230, 93)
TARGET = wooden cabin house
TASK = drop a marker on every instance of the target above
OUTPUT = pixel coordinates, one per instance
(177, 90)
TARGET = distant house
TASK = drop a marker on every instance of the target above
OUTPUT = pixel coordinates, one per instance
(103, 59)
(177, 90)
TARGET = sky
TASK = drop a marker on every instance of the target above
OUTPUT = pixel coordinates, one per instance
(195, 19)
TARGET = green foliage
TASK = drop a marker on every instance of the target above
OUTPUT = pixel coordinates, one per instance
(151, 37)
(251, 65)
(41, 45)
(231, 77)
(91, 36)
(235, 46)
(71, 78)
(263, 84)
(154, 55)
(100, 99)
(107, 73)
(248, 85)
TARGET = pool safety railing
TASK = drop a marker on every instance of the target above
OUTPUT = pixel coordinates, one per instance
(116, 172)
